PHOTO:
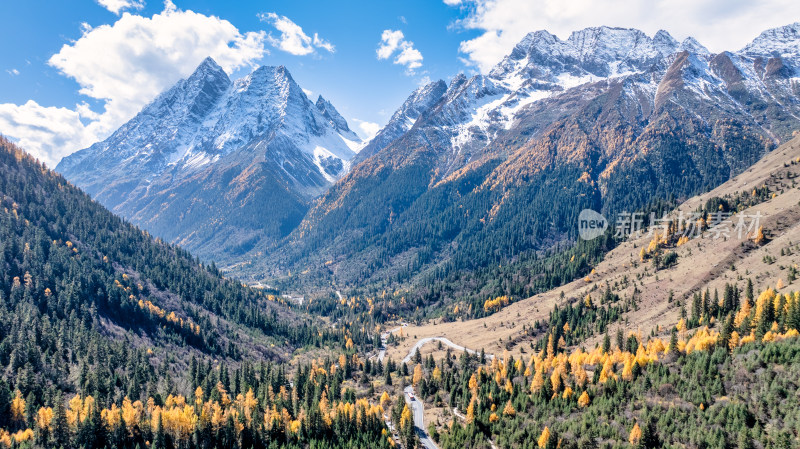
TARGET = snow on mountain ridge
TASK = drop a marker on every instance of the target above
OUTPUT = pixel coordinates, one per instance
(421, 100)
(472, 112)
(782, 41)
(206, 117)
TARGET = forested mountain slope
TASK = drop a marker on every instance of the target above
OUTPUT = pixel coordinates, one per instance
(685, 335)
(496, 171)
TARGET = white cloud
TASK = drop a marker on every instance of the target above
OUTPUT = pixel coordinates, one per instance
(367, 130)
(44, 131)
(717, 24)
(308, 93)
(323, 44)
(293, 39)
(116, 6)
(13, 72)
(452, 2)
(408, 56)
(390, 40)
(85, 111)
(125, 65)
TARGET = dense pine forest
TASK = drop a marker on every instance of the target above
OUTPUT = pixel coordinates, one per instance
(108, 335)
(110, 338)
(726, 377)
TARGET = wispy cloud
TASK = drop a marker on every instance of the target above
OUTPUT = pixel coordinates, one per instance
(116, 6)
(323, 44)
(13, 72)
(393, 41)
(292, 38)
(367, 130)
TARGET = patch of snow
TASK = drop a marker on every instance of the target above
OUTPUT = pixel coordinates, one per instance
(321, 153)
(354, 145)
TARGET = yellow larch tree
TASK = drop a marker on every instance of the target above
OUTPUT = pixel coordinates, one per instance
(405, 416)
(743, 313)
(567, 393)
(44, 418)
(635, 435)
(473, 383)
(471, 411)
(544, 437)
(583, 400)
(509, 410)
(537, 382)
(734, 341)
(417, 374)
(18, 408)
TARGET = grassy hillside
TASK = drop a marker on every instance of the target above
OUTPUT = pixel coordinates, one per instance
(769, 188)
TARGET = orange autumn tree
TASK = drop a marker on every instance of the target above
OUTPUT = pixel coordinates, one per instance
(635, 435)
(544, 438)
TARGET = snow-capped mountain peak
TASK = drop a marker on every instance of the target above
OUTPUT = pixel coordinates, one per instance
(334, 118)
(259, 133)
(664, 43)
(782, 42)
(650, 72)
(421, 100)
(606, 45)
(208, 68)
(691, 45)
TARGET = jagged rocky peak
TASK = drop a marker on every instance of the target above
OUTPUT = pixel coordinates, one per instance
(209, 70)
(783, 42)
(275, 79)
(665, 43)
(206, 117)
(691, 45)
(615, 44)
(597, 51)
(541, 40)
(334, 118)
(456, 83)
(421, 100)
(211, 81)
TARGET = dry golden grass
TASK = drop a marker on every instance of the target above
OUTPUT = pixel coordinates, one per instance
(702, 263)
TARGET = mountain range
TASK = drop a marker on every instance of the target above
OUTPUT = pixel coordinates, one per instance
(448, 299)
(497, 168)
(468, 176)
(217, 165)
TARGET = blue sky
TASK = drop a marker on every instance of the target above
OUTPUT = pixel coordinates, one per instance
(72, 71)
(365, 89)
